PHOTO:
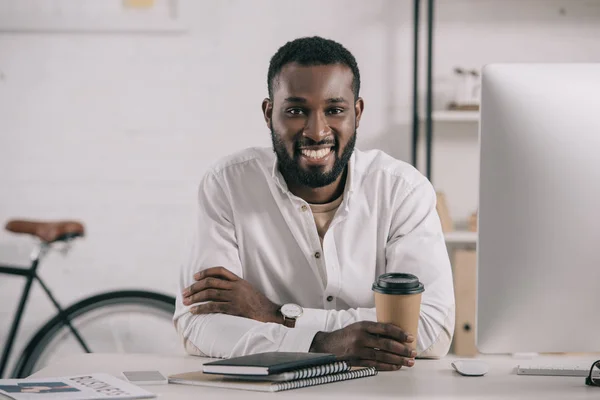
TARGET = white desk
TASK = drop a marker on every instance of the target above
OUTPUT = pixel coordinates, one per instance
(428, 379)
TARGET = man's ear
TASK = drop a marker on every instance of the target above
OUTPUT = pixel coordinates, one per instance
(359, 106)
(267, 108)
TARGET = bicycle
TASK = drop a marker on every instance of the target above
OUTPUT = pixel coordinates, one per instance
(69, 328)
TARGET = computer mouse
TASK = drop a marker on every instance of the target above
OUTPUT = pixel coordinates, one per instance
(471, 367)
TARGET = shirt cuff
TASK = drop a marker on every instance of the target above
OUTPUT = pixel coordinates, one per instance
(298, 339)
(442, 343)
(313, 318)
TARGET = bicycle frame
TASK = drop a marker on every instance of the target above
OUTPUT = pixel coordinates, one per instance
(31, 275)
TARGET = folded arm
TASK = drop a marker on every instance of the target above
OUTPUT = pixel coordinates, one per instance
(219, 335)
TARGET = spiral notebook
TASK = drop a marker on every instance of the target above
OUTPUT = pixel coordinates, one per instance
(302, 373)
(267, 363)
(302, 378)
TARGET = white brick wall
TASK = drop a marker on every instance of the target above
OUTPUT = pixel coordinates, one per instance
(116, 130)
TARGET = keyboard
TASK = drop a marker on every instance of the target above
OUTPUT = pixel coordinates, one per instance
(580, 369)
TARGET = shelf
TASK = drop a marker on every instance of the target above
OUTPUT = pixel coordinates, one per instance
(461, 237)
(455, 116)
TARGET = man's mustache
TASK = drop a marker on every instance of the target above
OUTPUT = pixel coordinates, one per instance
(307, 142)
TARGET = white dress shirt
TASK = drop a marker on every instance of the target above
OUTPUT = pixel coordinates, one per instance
(250, 223)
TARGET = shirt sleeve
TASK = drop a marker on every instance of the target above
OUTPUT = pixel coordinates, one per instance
(416, 245)
(214, 244)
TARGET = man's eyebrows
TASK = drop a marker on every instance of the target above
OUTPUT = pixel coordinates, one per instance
(336, 100)
(297, 99)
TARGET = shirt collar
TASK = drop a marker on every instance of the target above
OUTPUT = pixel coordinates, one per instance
(277, 177)
(350, 178)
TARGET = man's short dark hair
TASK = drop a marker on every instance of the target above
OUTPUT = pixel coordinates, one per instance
(312, 51)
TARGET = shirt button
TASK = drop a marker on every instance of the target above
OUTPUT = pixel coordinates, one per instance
(304, 208)
(329, 298)
(317, 255)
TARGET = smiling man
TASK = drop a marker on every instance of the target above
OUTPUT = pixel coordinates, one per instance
(290, 239)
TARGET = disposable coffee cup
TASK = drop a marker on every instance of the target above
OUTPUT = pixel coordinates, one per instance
(398, 301)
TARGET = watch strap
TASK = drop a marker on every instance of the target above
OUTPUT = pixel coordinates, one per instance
(289, 322)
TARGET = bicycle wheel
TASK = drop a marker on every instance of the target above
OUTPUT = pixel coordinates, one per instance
(112, 322)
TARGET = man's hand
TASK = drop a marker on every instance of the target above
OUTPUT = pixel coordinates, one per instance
(369, 344)
(227, 293)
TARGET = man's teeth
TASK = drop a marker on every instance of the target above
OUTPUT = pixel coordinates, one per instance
(316, 154)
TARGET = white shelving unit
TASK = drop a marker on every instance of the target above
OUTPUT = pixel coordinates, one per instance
(455, 116)
(461, 238)
(465, 238)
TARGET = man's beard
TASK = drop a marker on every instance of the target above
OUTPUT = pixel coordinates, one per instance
(312, 177)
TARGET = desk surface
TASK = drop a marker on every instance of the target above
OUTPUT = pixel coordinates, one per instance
(428, 379)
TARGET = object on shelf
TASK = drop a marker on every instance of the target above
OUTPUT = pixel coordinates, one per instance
(468, 86)
(473, 222)
(463, 107)
(444, 213)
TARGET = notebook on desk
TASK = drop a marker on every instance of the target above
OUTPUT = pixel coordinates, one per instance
(302, 373)
(267, 363)
(272, 372)
(201, 379)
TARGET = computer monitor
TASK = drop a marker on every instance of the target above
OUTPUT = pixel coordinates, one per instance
(538, 280)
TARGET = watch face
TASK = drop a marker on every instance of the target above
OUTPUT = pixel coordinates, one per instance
(291, 310)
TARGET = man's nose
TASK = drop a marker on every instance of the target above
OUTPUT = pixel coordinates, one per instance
(317, 127)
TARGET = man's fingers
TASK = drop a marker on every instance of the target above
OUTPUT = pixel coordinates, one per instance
(381, 356)
(212, 307)
(390, 346)
(389, 330)
(382, 359)
(208, 283)
(208, 295)
(380, 366)
(216, 272)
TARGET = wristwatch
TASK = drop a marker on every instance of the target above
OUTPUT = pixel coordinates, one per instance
(291, 312)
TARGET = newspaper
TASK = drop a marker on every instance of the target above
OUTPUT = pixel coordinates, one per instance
(80, 387)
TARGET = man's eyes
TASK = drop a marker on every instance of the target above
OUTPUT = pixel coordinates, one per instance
(295, 111)
(300, 111)
(335, 111)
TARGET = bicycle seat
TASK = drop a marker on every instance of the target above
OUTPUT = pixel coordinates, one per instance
(48, 231)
